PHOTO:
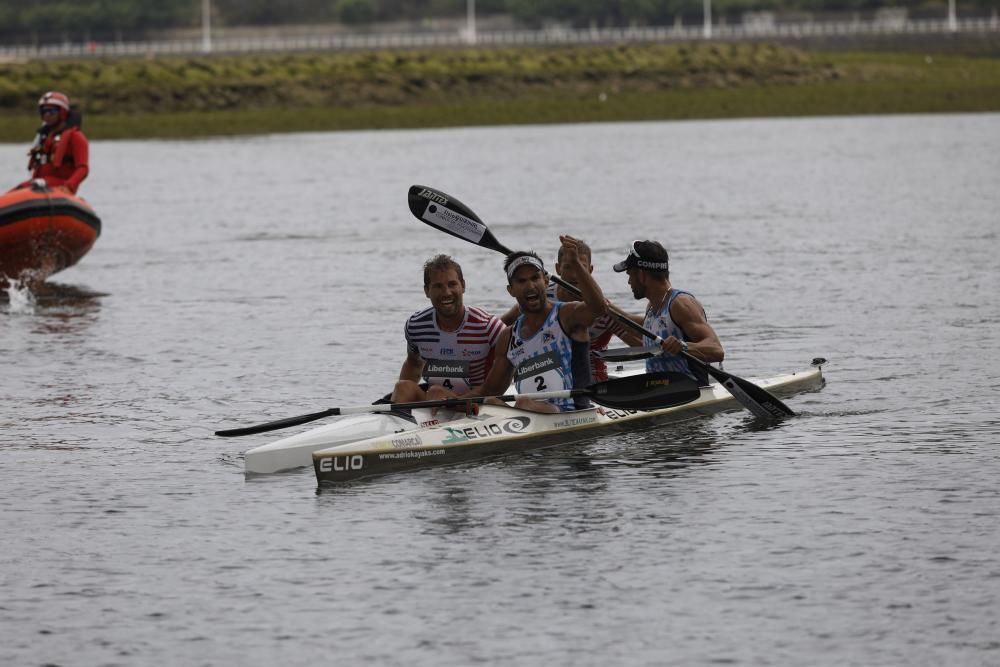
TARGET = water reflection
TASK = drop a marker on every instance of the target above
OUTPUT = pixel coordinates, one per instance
(60, 294)
(664, 451)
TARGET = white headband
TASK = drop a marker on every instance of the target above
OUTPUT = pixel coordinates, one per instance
(524, 260)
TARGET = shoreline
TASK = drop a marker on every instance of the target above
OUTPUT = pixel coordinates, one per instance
(208, 97)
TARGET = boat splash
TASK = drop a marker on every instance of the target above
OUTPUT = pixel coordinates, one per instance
(20, 297)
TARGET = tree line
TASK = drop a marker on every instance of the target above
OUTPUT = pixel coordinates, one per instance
(47, 20)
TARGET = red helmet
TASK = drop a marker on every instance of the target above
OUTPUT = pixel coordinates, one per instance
(54, 99)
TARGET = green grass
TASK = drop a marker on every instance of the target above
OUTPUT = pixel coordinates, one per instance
(189, 97)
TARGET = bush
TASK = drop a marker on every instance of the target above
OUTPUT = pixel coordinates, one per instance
(356, 12)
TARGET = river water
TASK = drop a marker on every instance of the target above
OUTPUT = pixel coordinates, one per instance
(249, 279)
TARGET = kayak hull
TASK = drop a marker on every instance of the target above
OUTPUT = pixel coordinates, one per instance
(42, 232)
(506, 430)
(296, 451)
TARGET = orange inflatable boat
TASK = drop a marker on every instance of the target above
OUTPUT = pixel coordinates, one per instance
(42, 231)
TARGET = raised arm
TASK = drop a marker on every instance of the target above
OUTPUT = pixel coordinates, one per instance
(581, 314)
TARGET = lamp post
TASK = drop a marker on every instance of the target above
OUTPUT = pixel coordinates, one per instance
(952, 20)
(470, 22)
(707, 30)
(206, 26)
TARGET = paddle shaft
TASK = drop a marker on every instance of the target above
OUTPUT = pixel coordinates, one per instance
(650, 391)
(383, 407)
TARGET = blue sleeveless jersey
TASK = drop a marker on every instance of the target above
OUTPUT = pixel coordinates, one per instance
(660, 323)
(549, 360)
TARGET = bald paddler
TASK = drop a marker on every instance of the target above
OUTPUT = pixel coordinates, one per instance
(548, 346)
(674, 315)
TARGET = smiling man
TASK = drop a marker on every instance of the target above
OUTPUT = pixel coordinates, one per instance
(449, 345)
(548, 346)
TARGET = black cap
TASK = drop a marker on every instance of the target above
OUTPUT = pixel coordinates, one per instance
(647, 255)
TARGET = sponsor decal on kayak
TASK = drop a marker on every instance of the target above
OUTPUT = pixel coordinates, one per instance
(575, 421)
(511, 426)
(410, 455)
(456, 223)
(615, 413)
(342, 463)
(406, 441)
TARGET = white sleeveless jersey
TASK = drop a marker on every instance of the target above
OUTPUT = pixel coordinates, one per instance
(458, 360)
(544, 361)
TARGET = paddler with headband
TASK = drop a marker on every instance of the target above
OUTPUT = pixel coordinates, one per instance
(548, 346)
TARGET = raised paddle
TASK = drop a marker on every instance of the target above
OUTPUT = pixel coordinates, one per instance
(451, 216)
(650, 391)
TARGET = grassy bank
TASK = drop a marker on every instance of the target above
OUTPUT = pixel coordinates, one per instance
(185, 97)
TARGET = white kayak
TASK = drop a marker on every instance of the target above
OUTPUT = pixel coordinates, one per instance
(504, 429)
(296, 451)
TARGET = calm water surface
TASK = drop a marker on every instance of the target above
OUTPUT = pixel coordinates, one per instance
(244, 280)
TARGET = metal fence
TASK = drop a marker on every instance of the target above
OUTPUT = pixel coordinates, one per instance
(753, 30)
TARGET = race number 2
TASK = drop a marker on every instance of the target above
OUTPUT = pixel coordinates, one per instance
(541, 373)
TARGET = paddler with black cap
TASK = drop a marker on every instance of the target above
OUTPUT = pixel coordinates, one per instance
(674, 315)
(547, 347)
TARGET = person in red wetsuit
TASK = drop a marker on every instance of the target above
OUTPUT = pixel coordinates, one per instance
(60, 154)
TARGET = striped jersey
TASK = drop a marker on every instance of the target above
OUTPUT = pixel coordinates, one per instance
(457, 360)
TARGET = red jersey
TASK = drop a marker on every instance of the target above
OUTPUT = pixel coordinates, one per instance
(61, 158)
(601, 331)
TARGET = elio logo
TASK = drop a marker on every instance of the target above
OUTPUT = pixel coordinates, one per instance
(342, 463)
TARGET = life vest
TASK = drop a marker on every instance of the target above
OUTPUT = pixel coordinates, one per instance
(51, 143)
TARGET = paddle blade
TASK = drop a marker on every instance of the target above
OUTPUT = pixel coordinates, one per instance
(444, 212)
(276, 425)
(651, 391)
(757, 400)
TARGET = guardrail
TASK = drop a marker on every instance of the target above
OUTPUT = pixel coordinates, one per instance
(373, 41)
